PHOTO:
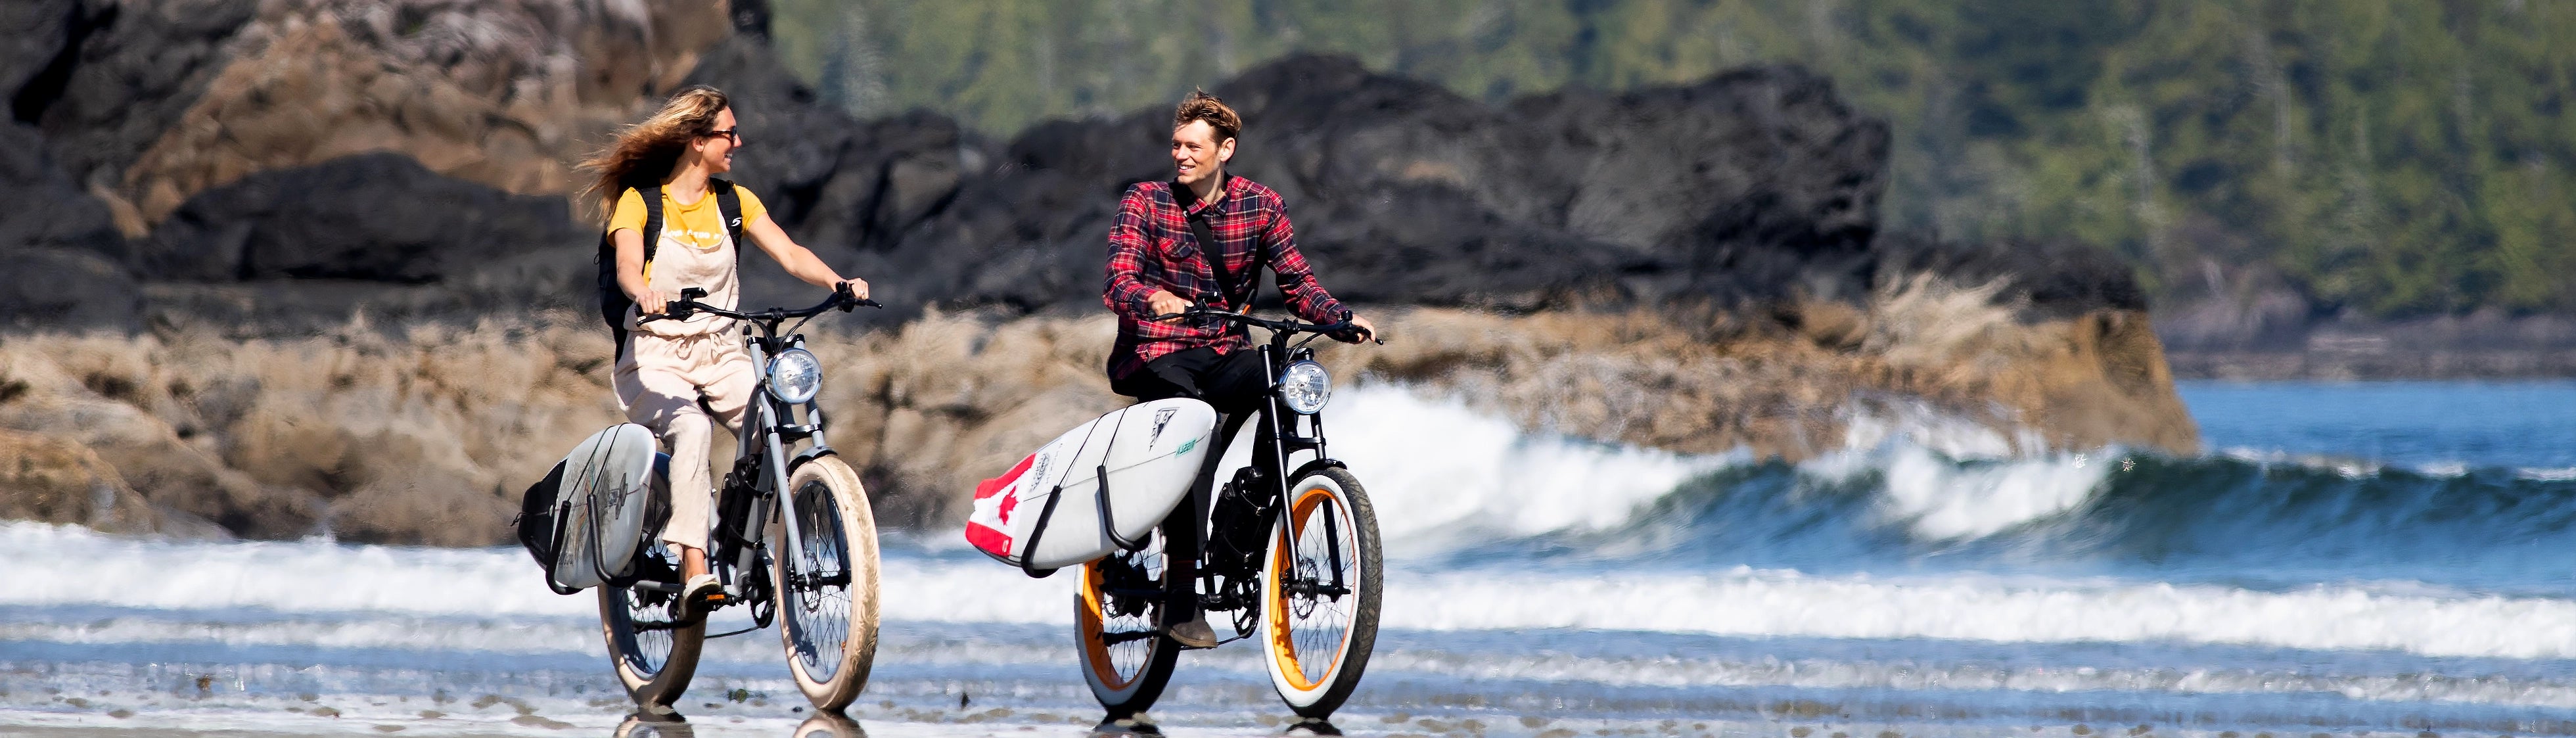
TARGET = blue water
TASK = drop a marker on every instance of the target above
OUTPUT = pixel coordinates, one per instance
(2343, 557)
(2510, 425)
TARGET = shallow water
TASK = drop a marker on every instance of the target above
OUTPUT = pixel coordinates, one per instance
(2348, 558)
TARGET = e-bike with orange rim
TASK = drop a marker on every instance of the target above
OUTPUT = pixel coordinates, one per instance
(1291, 555)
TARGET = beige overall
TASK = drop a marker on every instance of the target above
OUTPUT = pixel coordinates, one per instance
(678, 377)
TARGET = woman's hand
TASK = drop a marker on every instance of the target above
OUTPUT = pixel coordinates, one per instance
(858, 288)
(652, 302)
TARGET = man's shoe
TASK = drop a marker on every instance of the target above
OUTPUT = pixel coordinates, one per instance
(1193, 634)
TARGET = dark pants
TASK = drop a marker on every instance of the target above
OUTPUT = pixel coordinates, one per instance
(1233, 383)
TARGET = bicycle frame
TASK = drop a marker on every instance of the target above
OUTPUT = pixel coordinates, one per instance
(739, 549)
(1280, 435)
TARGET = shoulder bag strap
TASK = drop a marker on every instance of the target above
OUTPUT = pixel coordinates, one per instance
(1202, 229)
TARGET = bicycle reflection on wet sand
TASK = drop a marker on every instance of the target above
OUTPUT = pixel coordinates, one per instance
(818, 726)
(835, 726)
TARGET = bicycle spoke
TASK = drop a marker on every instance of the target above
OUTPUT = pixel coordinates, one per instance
(817, 612)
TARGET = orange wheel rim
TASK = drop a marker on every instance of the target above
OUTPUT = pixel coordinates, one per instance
(1095, 651)
(1283, 645)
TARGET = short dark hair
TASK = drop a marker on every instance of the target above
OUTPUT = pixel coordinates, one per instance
(1202, 106)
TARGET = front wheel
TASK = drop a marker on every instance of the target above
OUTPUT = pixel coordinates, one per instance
(1320, 589)
(827, 591)
(654, 655)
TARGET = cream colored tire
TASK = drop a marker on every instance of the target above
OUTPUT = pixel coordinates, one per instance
(654, 664)
(827, 593)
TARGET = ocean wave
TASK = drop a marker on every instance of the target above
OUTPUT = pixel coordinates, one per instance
(311, 577)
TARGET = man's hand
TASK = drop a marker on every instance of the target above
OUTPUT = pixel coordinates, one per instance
(1370, 330)
(1166, 303)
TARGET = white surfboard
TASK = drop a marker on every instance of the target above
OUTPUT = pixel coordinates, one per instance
(609, 476)
(1149, 453)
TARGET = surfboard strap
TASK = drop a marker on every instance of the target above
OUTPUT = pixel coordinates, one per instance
(1108, 524)
(1108, 528)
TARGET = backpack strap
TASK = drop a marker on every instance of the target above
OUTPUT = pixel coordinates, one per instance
(613, 299)
(729, 205)
(652, 227)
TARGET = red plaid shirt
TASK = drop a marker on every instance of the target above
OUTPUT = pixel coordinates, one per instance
(1150, 248)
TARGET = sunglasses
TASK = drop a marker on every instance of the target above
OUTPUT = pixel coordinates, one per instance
(734, 133)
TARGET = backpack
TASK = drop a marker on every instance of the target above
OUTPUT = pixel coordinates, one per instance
(613, 301)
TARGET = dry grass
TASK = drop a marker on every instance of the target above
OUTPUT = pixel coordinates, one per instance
(426, 435)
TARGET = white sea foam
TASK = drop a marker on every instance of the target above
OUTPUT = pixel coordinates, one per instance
(1751, 603)
(89, 569)
(1917, 454)
(2548, 475)
(1440, 473)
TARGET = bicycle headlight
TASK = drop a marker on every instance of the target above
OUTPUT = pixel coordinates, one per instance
(795, 376)
(1305, 386)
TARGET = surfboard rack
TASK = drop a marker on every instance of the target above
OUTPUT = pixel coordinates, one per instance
(1099, 493)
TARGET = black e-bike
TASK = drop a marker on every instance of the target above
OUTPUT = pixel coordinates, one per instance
(1292, 554)
(793, 534)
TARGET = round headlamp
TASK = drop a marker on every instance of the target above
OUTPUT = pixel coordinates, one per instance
(1305, 387)
(795, 376)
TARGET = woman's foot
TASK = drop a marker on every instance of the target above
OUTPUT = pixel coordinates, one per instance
(700, 595)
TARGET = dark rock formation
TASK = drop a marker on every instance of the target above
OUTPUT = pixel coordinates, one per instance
(1757, 185)
(57, 241)
(1749, 186)
(2061, 279)
(377, 217)
(64, 288)
(50, 209)
(124, 73)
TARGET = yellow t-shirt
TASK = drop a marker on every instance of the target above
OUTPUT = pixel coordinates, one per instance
(694, 252)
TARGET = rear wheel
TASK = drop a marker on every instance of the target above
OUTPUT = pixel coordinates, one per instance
(1117, 614)
(654, 656)
(1319, 588)
(827, 592)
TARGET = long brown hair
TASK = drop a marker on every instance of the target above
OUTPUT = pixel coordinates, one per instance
(646, 152)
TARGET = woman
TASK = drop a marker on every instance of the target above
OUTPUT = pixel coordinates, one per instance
(668, 368)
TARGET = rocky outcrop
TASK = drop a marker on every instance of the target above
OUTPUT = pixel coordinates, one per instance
(376, 217)
(353, 297)
(425, 435)
(56, 480)
(1748, 186)
(154, 101)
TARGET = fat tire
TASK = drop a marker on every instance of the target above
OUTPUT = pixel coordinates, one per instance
(661, 688)
(1136, 696)
(859, 530)
(1319, 700)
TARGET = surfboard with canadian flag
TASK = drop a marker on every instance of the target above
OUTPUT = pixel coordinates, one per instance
(1146, 454)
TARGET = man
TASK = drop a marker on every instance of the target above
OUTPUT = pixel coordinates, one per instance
(1159, 266)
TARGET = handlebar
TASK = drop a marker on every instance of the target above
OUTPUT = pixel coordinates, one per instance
(688, 305)
(1336, 330)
